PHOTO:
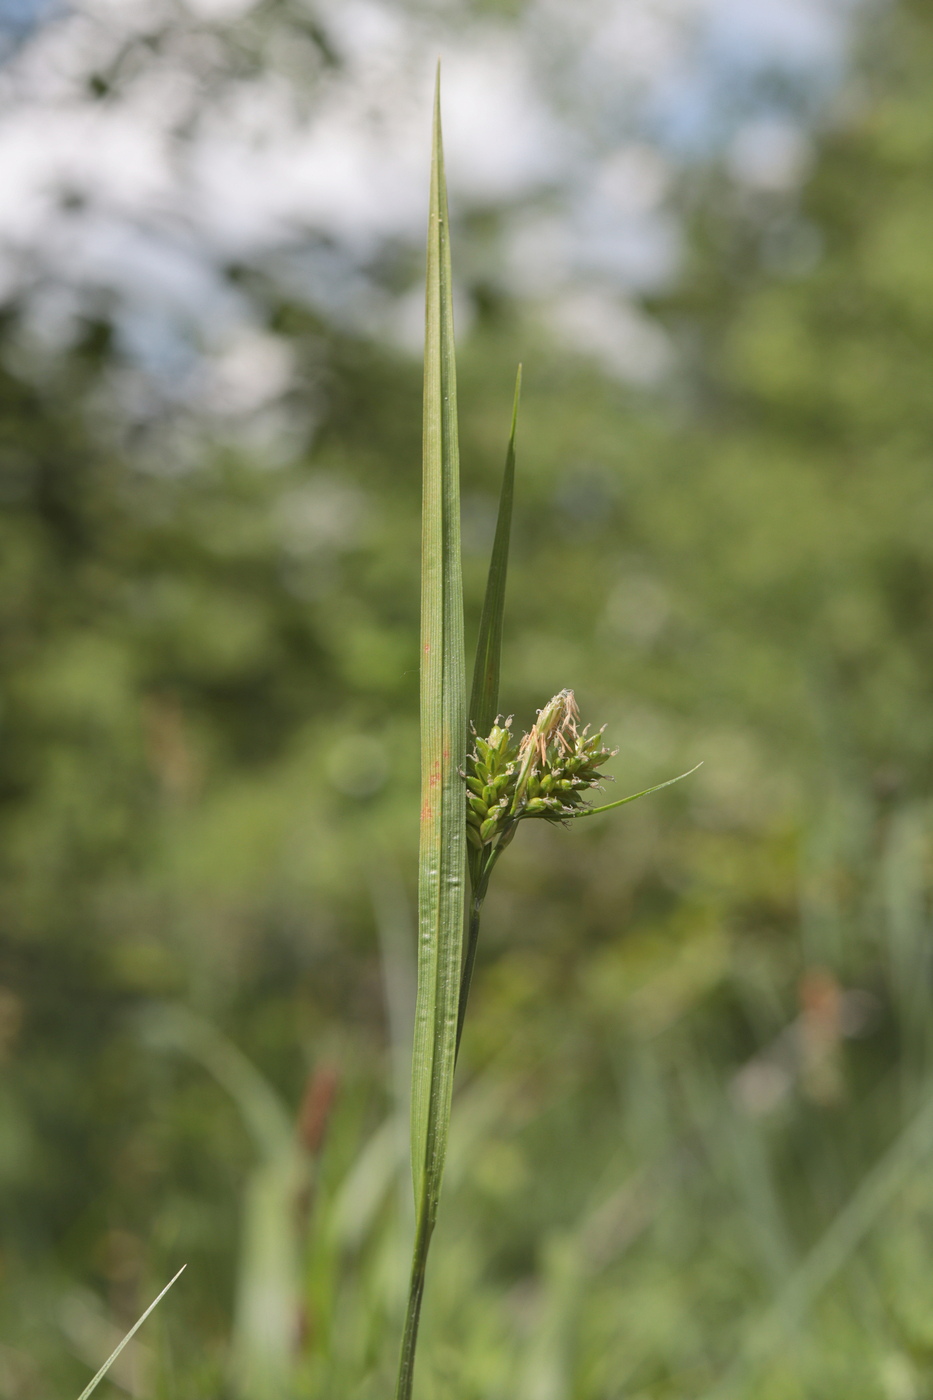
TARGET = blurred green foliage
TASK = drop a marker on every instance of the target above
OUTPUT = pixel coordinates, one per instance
(692, 1139)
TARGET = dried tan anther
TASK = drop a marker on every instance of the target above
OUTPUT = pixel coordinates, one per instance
(556, 720)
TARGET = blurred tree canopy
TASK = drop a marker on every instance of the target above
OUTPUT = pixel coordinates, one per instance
(209, 704)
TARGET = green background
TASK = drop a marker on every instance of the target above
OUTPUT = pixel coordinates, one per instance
(693, 1130)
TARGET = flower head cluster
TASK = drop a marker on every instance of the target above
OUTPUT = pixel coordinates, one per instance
(546, 775)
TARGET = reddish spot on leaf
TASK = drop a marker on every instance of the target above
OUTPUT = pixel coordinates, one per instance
(427, 812)
(435, 775)
(427, 648)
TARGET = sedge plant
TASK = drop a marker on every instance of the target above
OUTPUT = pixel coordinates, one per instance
(477, 782)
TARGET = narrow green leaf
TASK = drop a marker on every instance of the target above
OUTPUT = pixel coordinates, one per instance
(484, 698)
(608, 806)
(442, 857)
(92, 1385)
(443, 716)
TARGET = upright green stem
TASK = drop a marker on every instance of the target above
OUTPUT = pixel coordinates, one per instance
(427, 1215)
(406, 1370)
(476, 909)
(425, 1224)
(479, 879)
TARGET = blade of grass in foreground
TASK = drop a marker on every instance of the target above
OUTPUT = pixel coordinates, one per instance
(484, 697)
(442, 858)
(92, 1385)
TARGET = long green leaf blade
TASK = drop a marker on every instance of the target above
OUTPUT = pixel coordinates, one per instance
(484, 697)
(93, 1384)
(443, 718)
(442, 857)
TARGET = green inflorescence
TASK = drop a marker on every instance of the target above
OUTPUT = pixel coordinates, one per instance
(546, 774)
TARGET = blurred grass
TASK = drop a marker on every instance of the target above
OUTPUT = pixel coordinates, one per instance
(699, 1035)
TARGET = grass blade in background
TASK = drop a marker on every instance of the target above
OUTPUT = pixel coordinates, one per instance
(442, 857)
(93, 1384)
(878, 1188)
(268, 1294)
(484, 698)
